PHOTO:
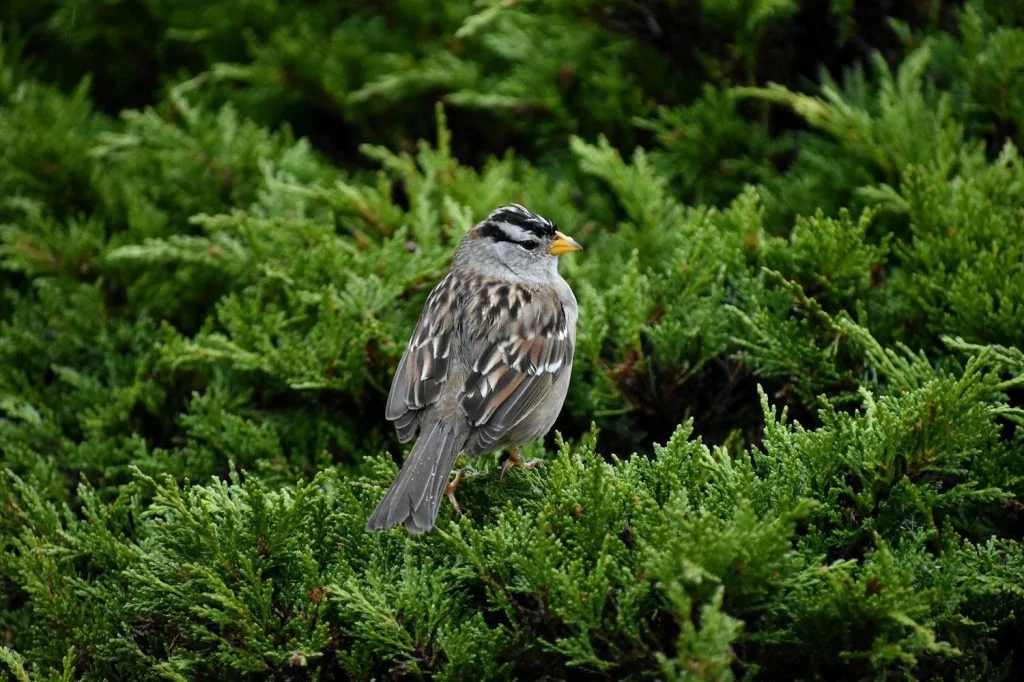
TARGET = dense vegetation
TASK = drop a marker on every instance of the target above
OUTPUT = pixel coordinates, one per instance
(794, 442)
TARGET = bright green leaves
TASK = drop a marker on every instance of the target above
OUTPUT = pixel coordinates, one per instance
(833, 259)
(901, 121)
(961, 269)
(695, 559)
(236, 571)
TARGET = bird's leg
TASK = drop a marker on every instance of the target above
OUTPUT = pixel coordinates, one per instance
(453, 485)
(515, 459)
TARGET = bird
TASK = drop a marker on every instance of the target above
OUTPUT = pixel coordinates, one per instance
(488, 364)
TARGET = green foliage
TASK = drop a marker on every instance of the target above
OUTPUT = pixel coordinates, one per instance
(901, 122)
(792, 446)
(962, 268)
(708, 150)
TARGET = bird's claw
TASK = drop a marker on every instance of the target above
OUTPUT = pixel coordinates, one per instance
(515, 459)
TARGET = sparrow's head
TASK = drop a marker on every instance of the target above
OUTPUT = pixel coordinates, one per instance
(514, 241)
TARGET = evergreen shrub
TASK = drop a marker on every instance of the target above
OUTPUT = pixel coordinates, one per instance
(793, 447)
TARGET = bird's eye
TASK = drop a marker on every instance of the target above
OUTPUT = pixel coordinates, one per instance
(530, 244)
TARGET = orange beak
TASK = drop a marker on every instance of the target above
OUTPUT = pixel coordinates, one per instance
(563, 244)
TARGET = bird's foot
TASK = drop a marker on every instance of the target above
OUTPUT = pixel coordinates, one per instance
(453, 485)
(515, 459)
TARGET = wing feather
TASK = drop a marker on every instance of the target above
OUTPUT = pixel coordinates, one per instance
(425, 365)
(513, 373)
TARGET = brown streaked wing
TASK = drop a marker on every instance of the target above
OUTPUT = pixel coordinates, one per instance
(511, 375)
(424, 366)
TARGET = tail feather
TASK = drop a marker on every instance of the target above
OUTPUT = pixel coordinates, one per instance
(415, 497)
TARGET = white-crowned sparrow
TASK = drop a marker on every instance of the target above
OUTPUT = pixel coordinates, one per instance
(488, 364)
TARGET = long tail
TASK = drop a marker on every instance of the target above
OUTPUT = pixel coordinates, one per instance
(415, 497)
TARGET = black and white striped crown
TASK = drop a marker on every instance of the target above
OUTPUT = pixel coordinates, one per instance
(514, 223)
